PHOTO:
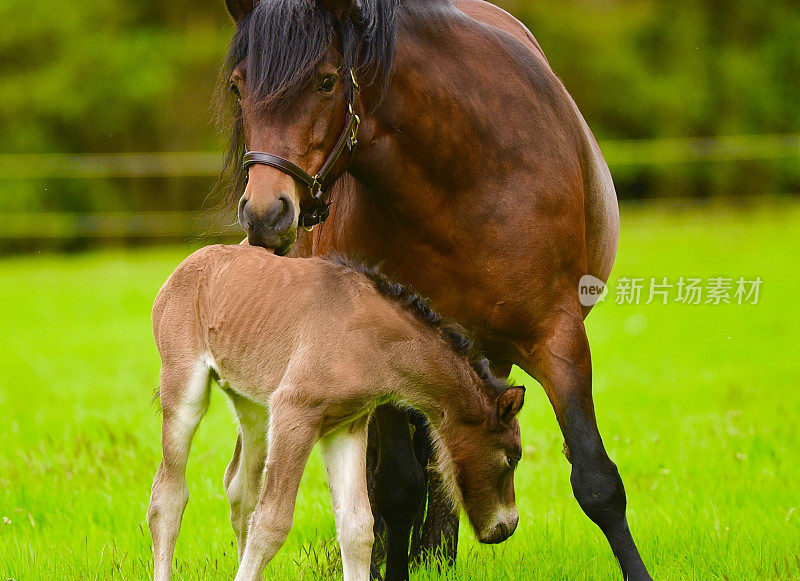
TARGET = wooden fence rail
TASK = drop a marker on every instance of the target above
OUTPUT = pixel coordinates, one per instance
(655, 152)
(141, 225)
(15, 228)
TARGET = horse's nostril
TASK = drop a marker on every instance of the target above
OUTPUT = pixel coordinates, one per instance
(241, 214)
(280, 215)
(274, 212)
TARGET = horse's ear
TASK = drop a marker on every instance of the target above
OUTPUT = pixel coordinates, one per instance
(340, 8)
(509, 402)
(239, 9)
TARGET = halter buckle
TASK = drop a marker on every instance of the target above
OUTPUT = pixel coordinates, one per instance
(316, 187)
(353, 138)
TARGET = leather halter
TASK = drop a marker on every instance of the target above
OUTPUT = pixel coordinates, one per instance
(320, 183)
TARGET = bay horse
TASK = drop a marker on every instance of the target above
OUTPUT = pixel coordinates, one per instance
(446, 149)
(306, 348)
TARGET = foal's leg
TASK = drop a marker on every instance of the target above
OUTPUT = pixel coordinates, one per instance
(184, 400)
(345, 458)
(293, 429)
(399, 486)
(562, 364)
(243, 476)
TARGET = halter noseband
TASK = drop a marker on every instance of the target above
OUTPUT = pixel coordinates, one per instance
(320, 183)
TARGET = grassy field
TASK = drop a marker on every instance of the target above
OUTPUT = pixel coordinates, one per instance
(699, 407)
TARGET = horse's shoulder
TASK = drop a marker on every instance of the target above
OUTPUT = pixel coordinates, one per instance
(492, 15)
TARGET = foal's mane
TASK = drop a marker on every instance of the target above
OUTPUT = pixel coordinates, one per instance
(283, 41)
(452, 333)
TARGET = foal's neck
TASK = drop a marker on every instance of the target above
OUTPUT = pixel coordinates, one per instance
(439, 382)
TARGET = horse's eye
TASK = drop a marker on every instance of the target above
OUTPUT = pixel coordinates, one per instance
(512, 462)
(235, 90)
(327, 84)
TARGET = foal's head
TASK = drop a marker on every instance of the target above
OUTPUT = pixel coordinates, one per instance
(484, 457)
(292, 70)
(474, 419)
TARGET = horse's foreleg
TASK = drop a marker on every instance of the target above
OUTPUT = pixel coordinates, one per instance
(399, 486)
(243, 475)
(292, 433)
(345, 459)
(440, 532)
(435, 531)
(184, 401)
(562, 364)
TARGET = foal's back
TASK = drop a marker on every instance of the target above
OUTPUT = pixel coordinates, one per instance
(259, 320)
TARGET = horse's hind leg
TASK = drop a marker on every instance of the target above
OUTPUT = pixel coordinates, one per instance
(184, 400)
(562, 364)
(345, 458)
(243, 476)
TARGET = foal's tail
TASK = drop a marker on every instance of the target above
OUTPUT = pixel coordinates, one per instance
(185, 373)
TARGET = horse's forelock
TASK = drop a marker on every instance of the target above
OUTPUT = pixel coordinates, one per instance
(287, 39)
(284, 40)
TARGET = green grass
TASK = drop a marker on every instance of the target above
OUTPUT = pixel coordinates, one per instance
(698, 406)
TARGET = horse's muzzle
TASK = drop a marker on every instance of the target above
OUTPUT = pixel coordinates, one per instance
(499, 532)
(274, 228)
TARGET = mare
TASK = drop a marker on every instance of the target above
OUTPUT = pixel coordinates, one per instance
(466, 169)
(306, 348)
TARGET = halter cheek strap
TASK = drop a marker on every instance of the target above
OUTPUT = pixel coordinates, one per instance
(320, 183)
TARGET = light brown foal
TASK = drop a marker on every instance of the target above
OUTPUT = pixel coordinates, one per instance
(306, 348)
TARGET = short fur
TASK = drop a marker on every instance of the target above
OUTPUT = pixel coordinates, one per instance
(306, 349)
(453, 333)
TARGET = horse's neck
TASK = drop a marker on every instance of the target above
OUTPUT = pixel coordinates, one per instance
(435, 129)
(429, 153)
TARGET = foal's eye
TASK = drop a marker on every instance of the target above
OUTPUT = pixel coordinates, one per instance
(235, 90)
(512, 462)
(327, 84)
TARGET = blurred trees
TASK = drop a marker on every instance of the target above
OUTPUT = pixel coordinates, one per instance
(138, 75)
(108, 76)
(643, 69)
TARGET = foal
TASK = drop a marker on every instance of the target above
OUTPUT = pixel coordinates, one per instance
(306, 349)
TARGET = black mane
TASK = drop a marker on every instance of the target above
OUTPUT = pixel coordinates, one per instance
(454, 334)
(283, 42)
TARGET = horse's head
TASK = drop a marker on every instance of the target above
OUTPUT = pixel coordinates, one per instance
(292, 69)
(483, 465)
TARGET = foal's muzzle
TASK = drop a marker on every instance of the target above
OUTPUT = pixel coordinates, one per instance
(273, 227)
(500, 530)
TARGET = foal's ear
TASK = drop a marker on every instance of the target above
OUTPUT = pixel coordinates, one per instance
(240, 8)
(509, 402)
(340, 8)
